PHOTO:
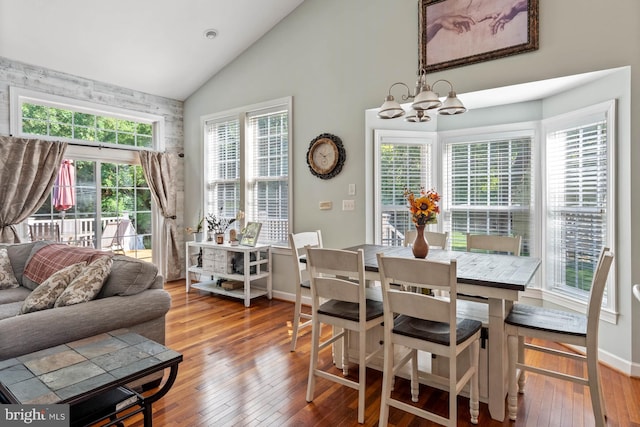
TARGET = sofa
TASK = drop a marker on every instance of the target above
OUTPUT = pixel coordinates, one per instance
(131, 296)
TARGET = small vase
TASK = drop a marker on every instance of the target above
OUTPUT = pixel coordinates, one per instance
(197, 237)
(420, 246)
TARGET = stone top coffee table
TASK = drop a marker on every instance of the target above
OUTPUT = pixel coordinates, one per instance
(75, 372)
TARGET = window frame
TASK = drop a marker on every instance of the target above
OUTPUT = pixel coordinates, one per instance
(246, 181)
(92, 151)
(582, 116)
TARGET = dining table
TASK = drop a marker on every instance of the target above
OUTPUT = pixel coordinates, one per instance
(494, 279)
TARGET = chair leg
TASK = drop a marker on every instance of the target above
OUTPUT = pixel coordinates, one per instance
(453, 396)
(362, 374)
(313, 364)
(296, 318)
(387, 379)
(512, 400)
(593, 371)
(474, 405)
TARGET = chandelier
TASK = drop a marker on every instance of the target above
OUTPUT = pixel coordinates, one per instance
(424, 99)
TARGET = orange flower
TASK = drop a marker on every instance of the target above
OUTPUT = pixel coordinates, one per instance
(423, 208)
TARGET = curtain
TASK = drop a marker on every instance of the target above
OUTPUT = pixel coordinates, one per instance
(28, 169)
(159, 170)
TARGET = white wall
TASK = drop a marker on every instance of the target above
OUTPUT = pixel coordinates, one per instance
(337, 59)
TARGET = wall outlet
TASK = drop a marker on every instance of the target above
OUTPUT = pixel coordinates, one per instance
(325, 206)
(348, 205)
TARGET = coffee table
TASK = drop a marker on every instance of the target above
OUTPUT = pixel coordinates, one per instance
(78, 372)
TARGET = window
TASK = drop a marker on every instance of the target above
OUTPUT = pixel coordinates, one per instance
(247, 166)
(405, 161)
(488, 187)
(579, 214)
(109, 186)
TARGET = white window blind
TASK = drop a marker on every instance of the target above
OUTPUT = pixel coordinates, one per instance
(404, 163)
(269, 166)
(488, 189)
(577, 182)
(223, 167)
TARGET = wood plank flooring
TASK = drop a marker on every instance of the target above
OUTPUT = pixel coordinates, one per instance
(238, 371)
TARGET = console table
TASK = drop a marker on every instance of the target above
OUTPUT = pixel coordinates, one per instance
(224, 261)
(88, 370)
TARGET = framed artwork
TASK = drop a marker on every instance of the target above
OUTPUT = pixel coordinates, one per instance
(251, 233)
(454, 33)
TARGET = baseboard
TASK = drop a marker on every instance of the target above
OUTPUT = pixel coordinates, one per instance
(286, 296)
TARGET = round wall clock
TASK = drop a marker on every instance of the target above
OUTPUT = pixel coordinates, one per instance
(326, 155)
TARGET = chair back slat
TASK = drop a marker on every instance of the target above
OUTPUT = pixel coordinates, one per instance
(419, 306)
(597, 292)
(494, 243)
(336, 274)
(433, 237)
(409, 273)
(338, 289)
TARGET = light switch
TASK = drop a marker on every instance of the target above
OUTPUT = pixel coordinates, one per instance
(352, 189)
(348, 205)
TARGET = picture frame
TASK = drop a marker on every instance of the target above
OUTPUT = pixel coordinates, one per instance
(251, 234)
(454, 33)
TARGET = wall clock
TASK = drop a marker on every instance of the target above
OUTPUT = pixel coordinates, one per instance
(326, 156)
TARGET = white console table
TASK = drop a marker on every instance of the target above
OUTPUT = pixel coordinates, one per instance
(218, 263)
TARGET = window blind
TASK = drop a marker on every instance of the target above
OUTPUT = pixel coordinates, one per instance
(402, 165)
(577, 210)
(269, 166)
(488, 189)
(223, 167)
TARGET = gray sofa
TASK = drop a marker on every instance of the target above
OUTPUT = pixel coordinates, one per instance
(132, 297)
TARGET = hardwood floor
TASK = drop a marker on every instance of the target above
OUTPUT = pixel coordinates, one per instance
(238, 371)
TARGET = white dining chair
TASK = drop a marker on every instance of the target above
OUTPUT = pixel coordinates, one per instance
(525, 321)
(297, 242)
(434, 238)
(338, 278)
(494, 243)
(426, 323)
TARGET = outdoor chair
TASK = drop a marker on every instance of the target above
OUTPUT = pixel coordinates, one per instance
(44, 231)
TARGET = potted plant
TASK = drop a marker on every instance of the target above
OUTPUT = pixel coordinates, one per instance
(197, 230)
(217, 226)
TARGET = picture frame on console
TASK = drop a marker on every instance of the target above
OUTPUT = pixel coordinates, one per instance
(251, 233)
(462, 32)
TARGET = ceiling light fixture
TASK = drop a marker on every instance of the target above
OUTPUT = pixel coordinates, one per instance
(210, 33)
(424, 98)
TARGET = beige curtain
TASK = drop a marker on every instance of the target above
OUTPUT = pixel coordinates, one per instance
(28, 169)
(160, 169)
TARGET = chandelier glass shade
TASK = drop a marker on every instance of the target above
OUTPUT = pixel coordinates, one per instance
(424, 100)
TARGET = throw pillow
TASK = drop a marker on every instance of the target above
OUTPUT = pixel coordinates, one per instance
(46, 260)
(87, 285)
(7, 277)
(45, 295)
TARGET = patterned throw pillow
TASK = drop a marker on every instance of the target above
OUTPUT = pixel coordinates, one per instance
(7, 277)
(87, 285)
(45, 295)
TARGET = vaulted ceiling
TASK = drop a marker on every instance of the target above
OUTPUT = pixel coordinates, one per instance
(153, 46)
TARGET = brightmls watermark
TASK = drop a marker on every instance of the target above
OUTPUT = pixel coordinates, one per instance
(34, 415)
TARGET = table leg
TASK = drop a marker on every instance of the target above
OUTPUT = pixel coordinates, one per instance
(148, 401)
(247, 279)
(497, 359)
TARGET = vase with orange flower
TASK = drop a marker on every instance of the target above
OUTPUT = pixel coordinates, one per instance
(424, 209)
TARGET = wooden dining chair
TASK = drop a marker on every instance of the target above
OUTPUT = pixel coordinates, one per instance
(425, 323)
(297, 242)
(494, 243)
(433, 237)
(338, 278)
(525, 321)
